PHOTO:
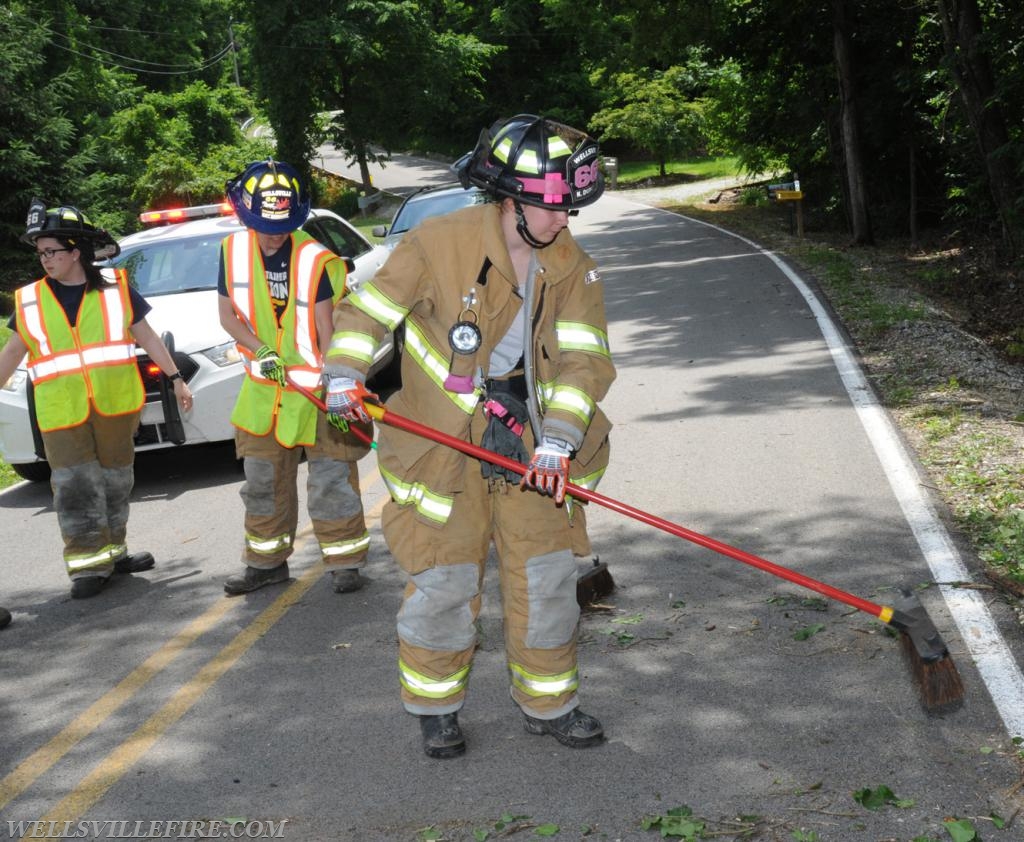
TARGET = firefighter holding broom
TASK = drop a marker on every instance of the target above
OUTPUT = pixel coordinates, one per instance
(506, 346)
(277, 291)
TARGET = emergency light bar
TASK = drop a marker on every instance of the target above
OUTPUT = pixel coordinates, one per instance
(166, 217)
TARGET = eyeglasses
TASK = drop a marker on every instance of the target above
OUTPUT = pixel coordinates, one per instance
(46, 254)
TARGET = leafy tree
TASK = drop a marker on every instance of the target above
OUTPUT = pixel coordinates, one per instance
(180, 148)
(653, 114)
(342, 58)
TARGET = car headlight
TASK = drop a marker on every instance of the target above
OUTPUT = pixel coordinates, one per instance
(16, 381)
(223, 355)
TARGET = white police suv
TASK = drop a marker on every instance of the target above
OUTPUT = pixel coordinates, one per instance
(174, 265)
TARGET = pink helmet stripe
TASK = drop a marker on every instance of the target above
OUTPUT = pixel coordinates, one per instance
(552, 186)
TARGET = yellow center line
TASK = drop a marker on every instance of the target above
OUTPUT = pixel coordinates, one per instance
(90, 719)
(116, 764)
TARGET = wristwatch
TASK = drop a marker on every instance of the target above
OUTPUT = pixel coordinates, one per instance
(175, 376)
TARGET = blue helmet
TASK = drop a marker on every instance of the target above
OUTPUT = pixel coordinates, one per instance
(269, 197)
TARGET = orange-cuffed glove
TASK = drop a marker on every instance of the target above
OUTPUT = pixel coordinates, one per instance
(345, 398)
(548, 471)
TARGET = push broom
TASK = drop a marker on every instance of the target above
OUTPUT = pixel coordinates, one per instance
(935, 674)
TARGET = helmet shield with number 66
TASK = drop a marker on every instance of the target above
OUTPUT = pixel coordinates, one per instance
(68, 223)
(535, 161)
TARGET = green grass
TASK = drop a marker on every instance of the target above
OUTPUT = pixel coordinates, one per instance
(697, 169)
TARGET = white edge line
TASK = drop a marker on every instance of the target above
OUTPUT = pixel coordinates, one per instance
(996, 664)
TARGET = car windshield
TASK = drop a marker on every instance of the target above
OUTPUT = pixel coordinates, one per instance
(172, 266)
(419, 208)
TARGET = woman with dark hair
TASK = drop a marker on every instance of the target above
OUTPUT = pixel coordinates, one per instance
(79, 326)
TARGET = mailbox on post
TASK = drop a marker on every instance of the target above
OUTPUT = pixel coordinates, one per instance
(789, 191)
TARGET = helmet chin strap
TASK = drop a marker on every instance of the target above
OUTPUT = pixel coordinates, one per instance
(524, 230)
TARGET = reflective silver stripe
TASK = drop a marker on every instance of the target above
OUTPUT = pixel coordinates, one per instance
(428, 503)
(309, 252)
(118, 353)
(590, 481)
(353, 547)
(70, 361)
(60, 364)
(108, 554)
(266, 546)
(575, 336)
(568, 399)
(420, 685)
(303, 377)
(32, 318)
(113, 308)
(240, 264)
(359, 346)
(544, 685)
(378, 306)
(435, 366)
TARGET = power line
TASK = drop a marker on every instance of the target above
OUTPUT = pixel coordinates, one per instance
(158, 68)
(204, 66)
(169, 66)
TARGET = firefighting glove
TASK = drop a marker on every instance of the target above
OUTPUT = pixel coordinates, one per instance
(339, 423)
(345, 400)
(506, 415)
(271, 365)
(548, 471)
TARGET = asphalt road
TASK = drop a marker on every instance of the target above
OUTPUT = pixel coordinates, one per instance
(161, 700)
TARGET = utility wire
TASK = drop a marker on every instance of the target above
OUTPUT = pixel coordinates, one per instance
(184, 65)
(205, 65)
(165, 69)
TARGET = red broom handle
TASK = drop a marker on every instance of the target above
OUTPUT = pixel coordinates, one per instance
(884, 613)
(319, 404)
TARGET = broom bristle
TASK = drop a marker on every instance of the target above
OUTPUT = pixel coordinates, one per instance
(938, 680)
(596, 583)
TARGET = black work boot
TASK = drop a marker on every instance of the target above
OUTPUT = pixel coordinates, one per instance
(346, 581)
(442, 736)
(574, 729)
(86, 586)
(255, 578)
(134, 563)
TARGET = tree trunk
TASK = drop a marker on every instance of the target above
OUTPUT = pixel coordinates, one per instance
(860, 222)
(912, 212)
(972, 71)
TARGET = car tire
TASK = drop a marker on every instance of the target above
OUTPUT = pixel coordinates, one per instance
(32, 471)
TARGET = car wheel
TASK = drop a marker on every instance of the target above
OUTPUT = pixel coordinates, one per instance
(32, 471)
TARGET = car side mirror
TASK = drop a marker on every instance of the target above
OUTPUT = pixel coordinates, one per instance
(379, 230)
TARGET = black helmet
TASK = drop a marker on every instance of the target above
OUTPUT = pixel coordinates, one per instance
(536, 161)
(269, 197)
(68, 223)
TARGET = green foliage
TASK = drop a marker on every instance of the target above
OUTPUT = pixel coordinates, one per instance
(180, 148)
(653, 113)
(881, 796)
(678, 822)
(961, 830)
(335, 194)
(807, 632)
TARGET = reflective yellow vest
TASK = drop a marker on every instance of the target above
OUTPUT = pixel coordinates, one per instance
(90, 365)
(262, 405)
